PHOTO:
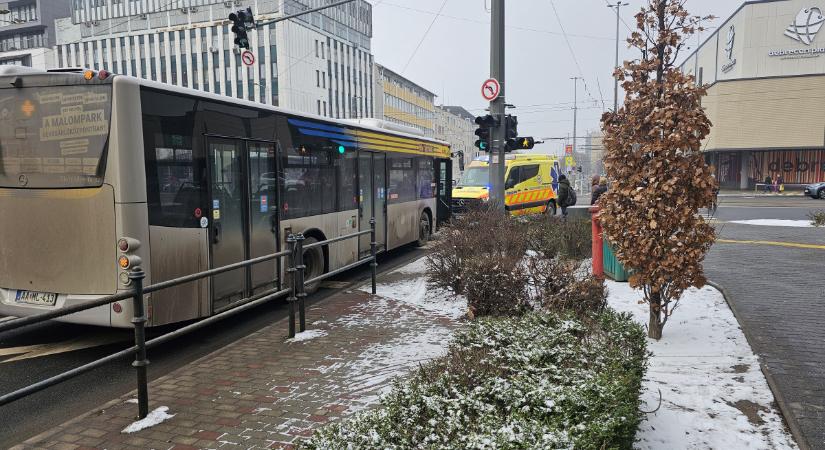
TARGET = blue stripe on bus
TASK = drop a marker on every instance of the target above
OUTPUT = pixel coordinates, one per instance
(316, 125)
(327, 135)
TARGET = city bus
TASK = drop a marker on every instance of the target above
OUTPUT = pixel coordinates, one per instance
(92, 163)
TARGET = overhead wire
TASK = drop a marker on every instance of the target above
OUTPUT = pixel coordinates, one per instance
(435, 18)
(570, 47)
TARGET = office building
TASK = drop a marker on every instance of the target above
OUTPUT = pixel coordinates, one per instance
(399, 100)
(319, 63)
(27, 36)
(456, 125)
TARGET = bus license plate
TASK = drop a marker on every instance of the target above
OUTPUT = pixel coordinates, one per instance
(36, 298)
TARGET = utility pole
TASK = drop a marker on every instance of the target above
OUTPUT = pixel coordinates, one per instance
(497, 135)
(575, 111)
(618, 6)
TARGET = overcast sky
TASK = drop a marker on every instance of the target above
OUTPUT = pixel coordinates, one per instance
(453, 58)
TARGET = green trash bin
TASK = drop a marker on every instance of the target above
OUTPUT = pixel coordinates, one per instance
(612, 267)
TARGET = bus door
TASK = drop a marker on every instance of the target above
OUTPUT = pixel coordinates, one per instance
(263, 214)
(372, 185)
(227, 217)
(444, 189)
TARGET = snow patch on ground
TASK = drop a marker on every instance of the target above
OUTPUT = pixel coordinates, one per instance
(713, 392)
(776, 223)
(409, 285)
(154, 418)
(307, 335)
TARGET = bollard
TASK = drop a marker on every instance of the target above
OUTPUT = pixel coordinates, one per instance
(300, 293)
(139, 320)
(290, 268)
(598, 252)
(373, 263)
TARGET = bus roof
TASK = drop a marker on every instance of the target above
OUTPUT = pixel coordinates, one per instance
(21, 70)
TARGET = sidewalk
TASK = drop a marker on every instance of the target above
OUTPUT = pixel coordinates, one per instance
(265, 391)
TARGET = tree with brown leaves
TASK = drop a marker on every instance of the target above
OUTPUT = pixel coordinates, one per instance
(653, 156)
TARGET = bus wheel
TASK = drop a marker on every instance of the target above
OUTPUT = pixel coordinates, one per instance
(314, 262)
(424, 230)
(551, 208)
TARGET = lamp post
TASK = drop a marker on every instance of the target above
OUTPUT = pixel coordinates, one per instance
(618, 6)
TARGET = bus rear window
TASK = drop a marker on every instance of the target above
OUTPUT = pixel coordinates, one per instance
(54, 136)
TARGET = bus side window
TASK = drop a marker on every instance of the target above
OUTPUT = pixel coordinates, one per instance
(426, 178)
(174, 166)
(402, 179)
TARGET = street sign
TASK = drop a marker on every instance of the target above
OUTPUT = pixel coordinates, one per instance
(568, 150)
(248, 58)
(568, 161)
(490, 89)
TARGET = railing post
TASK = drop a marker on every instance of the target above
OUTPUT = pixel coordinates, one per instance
(373, 244)
(291, 272)
(301, 271)
(139, 320)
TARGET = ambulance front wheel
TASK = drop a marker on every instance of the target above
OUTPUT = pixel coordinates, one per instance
(551, 208)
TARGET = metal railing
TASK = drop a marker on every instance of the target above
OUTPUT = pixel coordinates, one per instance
(296, 293)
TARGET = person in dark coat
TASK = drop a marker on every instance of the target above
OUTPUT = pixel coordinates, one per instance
(768, 184)
(600, 189)
(563, 193)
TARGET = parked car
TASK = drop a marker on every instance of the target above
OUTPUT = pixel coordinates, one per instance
(816, 190)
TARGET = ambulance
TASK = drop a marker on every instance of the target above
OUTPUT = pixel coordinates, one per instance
(531, 182)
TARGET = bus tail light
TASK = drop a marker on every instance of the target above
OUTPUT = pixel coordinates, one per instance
(117, 308)
(89, 74)
(126, 262)
(103, 74)
(126, 244)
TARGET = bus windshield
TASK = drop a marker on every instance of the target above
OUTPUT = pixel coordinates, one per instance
(54, 136)
(475, 177)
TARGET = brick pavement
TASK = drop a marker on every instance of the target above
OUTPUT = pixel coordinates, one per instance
(778, 295)
(264, 391)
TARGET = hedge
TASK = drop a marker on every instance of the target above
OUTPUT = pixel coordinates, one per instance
(540, 380)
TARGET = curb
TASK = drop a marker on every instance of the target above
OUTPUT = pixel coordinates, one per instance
(784, 408)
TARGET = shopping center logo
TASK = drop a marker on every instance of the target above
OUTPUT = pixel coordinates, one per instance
(731, 39)
(729, 50)
(807, 23)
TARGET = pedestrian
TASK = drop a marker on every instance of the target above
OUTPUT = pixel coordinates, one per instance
(776, 184)
(594, 183)
(600, 189)
(780, 183)
(768, 184)
(563, 194)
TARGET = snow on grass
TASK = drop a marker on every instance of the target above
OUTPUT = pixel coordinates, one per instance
(408, 284)
(776, 223)
(307, 335)
(154, 418)
(713, 392)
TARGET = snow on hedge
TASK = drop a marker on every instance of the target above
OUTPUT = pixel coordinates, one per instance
(535, 381)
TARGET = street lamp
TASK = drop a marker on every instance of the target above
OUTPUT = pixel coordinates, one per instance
(618, 6)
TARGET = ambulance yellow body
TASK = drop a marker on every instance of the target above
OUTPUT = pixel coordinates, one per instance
(530, 184)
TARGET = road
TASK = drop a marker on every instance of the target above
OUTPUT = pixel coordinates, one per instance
(773, 277)
(46, 349)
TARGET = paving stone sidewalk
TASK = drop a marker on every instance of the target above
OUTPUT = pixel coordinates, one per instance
(265, 391)
(778, 294)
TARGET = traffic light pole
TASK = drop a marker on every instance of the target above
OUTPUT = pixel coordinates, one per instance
(497, 135)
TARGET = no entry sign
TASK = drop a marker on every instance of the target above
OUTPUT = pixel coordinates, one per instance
(490, 89)
(248, 58)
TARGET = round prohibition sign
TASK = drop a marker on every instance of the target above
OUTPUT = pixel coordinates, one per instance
(248, 57)
(490, 89)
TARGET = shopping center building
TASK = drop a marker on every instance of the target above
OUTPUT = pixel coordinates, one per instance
(765, 71)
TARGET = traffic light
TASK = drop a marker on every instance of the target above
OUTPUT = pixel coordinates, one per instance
(242, 21)
(524, 143)
(485, 124)
(511, 133)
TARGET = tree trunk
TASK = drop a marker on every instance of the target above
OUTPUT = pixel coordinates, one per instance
(655, 325)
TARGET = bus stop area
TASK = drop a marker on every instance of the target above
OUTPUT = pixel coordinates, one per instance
(268, 391)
